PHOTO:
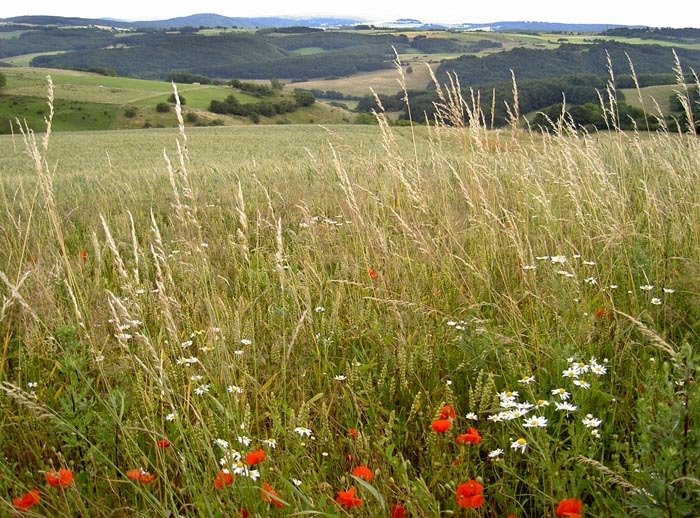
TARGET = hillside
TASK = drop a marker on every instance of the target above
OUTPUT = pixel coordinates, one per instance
(567, 59)
(231, 54)
(86, 101)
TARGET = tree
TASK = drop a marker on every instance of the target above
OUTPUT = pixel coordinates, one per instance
(304, 98)
(162, 107)
(276, 84)
(3, 80)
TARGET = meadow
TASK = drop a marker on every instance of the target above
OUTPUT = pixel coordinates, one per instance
(88, 101)
(350, 320)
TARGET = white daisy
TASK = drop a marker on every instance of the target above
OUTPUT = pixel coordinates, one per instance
(565, 407)
(562, 393)
(535, 422)
(221, 443)
(201, 390)
(495, 453)
(591, 422)
(520, 444)
(303, 432)
(582, 384)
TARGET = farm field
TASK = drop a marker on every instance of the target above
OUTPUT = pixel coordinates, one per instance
(334, 320)
(651, 96)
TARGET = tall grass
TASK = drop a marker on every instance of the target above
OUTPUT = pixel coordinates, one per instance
(359, 286)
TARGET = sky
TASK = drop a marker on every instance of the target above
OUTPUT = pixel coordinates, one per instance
(676, 14)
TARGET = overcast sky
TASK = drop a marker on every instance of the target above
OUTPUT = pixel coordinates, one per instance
(683, 13)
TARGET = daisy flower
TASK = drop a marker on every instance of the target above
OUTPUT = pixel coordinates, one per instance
(536, 422)
(520, 444)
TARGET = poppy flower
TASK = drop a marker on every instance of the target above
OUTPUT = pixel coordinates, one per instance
(222, 479)
(470, 495)
(471, 437)
(255, 457)
(441, 425)
(569, 508)
(27, 500)
(347, 499)
(352, 432)
(141, 476)
(398, 511)
(83, 255)
(447, 412)
(62, 478)
(372, 274)
(271, 496)
(163, 443)
(363, 472)
(244, 513)
(146, 477)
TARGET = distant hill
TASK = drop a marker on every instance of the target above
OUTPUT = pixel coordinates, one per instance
(195, 20)
(68, 22)
(539, 26)
(215, 20)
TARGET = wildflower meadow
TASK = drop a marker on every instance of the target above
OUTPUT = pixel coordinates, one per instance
(342, 321)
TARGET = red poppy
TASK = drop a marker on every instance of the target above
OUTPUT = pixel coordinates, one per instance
(222, 479)
(470, 495)
(255, 457)
(352, 432)
(471, 437)
(363, 472)
(146, 477)
(372, 274)
(64, 478)
(569, 508)
(271, 496)
(441, 425)
(447, 412)
(163, 443)
(140, 475)
(398, 511)
(347, 499)
(244, 513)
(27, 500)
(83, 255)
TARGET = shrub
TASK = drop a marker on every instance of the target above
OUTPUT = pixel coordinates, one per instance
(162, 107)
(172, 99)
